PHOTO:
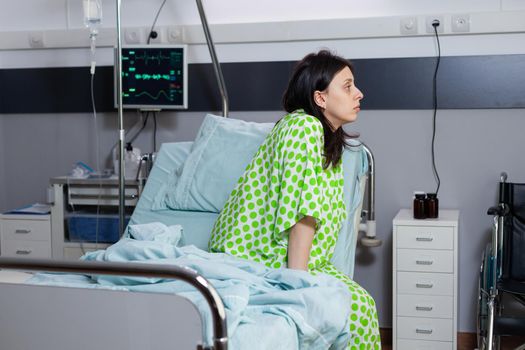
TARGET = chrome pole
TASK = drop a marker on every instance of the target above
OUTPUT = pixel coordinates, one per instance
(371, 184)
(183, 273)
(122, 133)
(215, 61)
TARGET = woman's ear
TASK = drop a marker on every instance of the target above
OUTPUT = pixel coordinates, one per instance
(319, 99)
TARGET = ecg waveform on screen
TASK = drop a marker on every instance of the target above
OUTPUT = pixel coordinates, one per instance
(158, 58)
(161, 92)
(153, 77)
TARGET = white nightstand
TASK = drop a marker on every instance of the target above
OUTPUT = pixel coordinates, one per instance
(25, 236)
(425, 281)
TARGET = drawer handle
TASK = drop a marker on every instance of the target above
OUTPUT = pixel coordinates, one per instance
(423, 331)
(22, 231)
(424, 308)
(23, 252)
(424, 285)
(424, 239)
(424, 262)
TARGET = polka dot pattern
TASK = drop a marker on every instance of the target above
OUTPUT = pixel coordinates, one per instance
(284, 182)
(364, 325)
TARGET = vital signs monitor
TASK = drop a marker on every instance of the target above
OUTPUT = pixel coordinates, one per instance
(154, 77)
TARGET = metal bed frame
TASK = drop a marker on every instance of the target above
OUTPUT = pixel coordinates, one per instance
(220, 335)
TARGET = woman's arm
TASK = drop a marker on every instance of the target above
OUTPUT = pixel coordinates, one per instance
(300, 242)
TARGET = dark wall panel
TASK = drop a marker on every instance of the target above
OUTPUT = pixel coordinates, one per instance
(465, 82)
(256, 86)
(491, 81)
(55, 90)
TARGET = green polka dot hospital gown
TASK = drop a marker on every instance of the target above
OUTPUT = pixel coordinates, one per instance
(284, 182)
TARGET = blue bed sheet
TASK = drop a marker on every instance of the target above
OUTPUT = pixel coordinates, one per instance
(305, 311)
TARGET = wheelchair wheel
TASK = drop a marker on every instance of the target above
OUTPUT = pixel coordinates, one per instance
(482, 307)
(485, 284)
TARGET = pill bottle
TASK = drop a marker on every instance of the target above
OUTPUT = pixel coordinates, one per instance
(432, 206)
(419, 205)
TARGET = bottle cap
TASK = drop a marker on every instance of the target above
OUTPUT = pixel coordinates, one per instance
(419, 194)
(432, 195)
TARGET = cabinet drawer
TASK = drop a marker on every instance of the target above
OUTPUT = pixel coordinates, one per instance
(425, 306)
(26, 230)
(94, 194)
(425, 328)
(425, 237)
(406, 344)
(425, 260)
(26, 249)
(425, 283)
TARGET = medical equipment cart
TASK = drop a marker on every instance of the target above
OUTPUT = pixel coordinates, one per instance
(91, 194)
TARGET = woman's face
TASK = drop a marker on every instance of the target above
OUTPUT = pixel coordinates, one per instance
(341, 100)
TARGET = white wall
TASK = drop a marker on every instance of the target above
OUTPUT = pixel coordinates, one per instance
(469, 142)
(59, 24)
(66, 14)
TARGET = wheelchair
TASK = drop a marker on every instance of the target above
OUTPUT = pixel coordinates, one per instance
(502, 273)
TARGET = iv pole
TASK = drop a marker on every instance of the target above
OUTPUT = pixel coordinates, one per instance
(121, 178)
(122, 134)
(215, 61)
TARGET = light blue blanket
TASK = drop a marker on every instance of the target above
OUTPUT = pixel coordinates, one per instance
(298, 310)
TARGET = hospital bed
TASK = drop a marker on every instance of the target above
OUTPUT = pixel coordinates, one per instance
(45, 312)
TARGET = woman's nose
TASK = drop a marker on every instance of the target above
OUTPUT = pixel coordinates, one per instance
(360, 95)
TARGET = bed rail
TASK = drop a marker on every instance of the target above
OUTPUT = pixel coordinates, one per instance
(370, 239)
(220, 335)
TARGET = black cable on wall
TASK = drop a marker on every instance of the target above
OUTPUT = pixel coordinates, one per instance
(152, 34)
(435, 24)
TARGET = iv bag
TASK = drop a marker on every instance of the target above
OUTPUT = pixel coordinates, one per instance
(92, 13)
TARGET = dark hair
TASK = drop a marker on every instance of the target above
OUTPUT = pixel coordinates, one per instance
(315, 72)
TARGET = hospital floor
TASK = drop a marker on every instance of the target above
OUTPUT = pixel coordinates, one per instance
(507, 344)
(466, 341)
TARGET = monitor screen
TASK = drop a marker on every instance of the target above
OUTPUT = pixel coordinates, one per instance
(154, 77)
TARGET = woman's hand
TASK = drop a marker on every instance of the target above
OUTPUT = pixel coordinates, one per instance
(300, 243)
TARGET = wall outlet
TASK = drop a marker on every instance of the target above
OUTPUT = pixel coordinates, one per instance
(133, 36)
(430, 28)
(174, 35)
(408, 26)
(36, 40)
(460, 23)
(161, 34)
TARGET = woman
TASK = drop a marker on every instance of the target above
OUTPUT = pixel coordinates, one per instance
(287, 208)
